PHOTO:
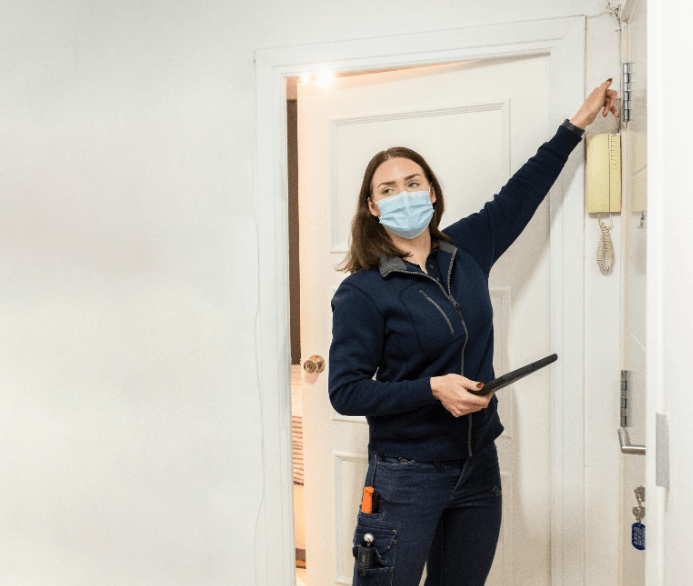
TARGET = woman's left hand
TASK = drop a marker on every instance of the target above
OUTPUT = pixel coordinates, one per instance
(601, 97)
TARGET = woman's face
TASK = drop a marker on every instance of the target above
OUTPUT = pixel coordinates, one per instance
(395, 176)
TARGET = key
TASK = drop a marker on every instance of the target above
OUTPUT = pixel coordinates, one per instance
(639, 513)
(640, 494)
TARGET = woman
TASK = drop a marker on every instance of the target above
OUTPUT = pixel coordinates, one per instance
(412, 331)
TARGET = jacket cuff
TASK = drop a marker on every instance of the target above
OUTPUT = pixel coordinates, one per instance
(564, 142)
(420, 392)
(570, 126)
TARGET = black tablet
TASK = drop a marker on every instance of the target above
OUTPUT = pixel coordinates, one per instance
(511, 377)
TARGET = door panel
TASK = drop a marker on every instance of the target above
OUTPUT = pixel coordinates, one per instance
(475, 123)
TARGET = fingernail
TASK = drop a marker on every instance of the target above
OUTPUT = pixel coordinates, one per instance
(479, 385)
(610, 79)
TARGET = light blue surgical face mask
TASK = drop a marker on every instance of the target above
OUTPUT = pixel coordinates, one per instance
(406, 214)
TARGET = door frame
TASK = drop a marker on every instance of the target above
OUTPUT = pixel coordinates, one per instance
(563, 40)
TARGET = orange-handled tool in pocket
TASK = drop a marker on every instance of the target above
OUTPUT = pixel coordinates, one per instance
(367, 501)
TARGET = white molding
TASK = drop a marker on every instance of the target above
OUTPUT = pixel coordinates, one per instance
(563, 39)
(349, 418)
(503, 297)
(339, 457)
(658, 558)
(341, 246)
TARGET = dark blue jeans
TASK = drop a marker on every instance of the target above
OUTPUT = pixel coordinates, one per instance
(446, 515)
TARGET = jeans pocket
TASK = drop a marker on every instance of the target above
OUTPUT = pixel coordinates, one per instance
(375, 577)
(367, 517)
(383, 561)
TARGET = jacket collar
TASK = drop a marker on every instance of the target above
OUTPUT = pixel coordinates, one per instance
(387, 264)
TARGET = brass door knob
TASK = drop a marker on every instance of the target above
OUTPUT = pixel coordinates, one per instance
(315, 364)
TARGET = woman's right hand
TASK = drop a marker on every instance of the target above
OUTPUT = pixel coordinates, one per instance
(451, 391)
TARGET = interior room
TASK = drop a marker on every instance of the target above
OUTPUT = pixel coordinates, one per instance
(166, 173)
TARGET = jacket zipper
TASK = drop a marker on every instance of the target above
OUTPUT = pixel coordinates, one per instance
(439, 308)
(466, 337)
(450, 298)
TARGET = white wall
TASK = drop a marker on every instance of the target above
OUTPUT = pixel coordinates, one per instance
(129, 409)
(670, 318)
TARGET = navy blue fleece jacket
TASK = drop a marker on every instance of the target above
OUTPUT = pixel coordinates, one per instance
(394, 326)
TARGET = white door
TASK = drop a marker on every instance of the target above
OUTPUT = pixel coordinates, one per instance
(634, 273)
(475, 123)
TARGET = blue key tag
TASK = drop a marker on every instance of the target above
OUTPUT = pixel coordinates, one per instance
(638, 532)
(638, 536)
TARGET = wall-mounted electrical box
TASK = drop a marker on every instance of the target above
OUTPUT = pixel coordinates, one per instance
(604, 173)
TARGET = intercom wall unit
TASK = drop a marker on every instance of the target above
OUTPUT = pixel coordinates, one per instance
(604, 173)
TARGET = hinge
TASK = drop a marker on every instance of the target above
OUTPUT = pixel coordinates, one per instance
(624, 398)
(626, 87)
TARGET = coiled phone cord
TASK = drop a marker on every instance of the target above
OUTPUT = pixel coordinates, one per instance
(605, 250)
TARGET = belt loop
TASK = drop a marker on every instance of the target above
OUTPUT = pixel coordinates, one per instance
(374, 456)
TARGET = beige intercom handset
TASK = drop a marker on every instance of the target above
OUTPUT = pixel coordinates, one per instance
(604, 188)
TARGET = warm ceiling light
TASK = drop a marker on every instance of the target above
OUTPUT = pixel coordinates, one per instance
(305, 77)
(325, 79)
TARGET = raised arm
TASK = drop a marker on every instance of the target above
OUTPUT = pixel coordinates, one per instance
(487, 234)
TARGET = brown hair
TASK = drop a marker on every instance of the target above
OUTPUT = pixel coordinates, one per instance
(368, 238)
